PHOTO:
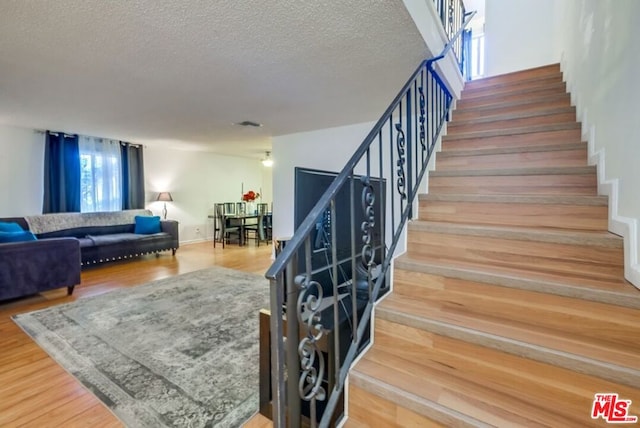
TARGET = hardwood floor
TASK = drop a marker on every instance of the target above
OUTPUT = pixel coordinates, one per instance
(35, 391)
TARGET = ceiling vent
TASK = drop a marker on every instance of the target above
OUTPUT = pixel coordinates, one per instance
(249, 123)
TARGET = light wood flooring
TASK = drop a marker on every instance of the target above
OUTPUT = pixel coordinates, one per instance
(36, 392)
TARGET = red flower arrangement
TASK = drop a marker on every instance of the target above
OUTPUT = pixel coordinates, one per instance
(250, 196)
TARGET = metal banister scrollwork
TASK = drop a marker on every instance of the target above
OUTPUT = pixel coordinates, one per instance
(401, 144)
(422, 103)
(308, 314)
(401, 177)
(368, 200)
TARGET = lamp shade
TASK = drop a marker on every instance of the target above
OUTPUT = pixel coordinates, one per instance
(165, 197)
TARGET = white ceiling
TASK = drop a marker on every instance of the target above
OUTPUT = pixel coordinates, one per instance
(181, 72)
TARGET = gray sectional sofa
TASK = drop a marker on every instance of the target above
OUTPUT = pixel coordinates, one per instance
(67, 242)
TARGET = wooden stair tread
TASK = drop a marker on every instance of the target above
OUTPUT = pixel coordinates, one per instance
(503, 125)
(506, 78)
(481, 151)
(519, 199)
(367, 409)
(527, 305)
(539, 103)
(542, 139)
(503, 210)
(513, 131)
(478, 383)
(563, 170)
(519, 89)
(616, 291)
(573, 263)
(569, 157)
(551, 76)
(540, 94)
(572, 237)
(513, 115)
(500, 87)
(553, 347)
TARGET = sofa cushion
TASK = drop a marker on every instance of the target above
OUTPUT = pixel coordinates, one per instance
(116, 238)
(16, 236)
(81, 232)
(147, 225)
(10, 227)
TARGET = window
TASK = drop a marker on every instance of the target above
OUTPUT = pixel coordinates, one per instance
(100, 175)
(477, 56)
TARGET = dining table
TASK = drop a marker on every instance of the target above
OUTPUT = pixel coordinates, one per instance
(239, 220)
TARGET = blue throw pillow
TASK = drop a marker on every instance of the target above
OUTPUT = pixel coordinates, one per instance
(10, 227)
(16, 236)
(147, 225)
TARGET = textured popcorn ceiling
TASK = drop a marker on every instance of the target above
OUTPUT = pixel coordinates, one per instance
(182, 71)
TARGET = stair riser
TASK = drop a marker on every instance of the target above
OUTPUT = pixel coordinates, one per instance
(577, 217)
(454, 129)
(575, 261)
(556, 158)
(368, 410)
(538, 94)
(539, 139)
(603, 323)
(523, 185)
(562, 101)
(554, 82)
(502, 373)
(540, 72)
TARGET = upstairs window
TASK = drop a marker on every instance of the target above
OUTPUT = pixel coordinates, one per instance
(477, 56)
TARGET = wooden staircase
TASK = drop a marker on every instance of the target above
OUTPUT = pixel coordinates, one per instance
(509, 307)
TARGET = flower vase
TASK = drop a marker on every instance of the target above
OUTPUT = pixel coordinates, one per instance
(251, 207)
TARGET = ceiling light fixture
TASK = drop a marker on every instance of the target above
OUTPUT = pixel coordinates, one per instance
(267, 161)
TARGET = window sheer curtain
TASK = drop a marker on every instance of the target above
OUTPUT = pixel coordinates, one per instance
(61, 173)
(100, 171)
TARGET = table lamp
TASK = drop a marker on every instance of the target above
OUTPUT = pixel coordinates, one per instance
(164, 197)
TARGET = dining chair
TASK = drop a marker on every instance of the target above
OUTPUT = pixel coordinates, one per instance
(229, 208)
(259, 229)
(216, 222)
(268, 226)
(225, 230)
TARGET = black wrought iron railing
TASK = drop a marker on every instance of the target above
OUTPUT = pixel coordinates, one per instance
(326, 279)
(452, 14)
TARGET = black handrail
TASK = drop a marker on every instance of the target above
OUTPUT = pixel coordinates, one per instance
(411, 141)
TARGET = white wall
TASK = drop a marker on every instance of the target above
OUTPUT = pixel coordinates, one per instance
(599, 40)
(196, 181)
(520, 34)
(326, 149)
(21, 171)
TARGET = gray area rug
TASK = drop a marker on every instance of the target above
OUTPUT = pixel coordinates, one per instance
(178, 352)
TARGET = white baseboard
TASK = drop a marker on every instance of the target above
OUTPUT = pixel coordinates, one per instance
(193, 241)
(626, 227)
